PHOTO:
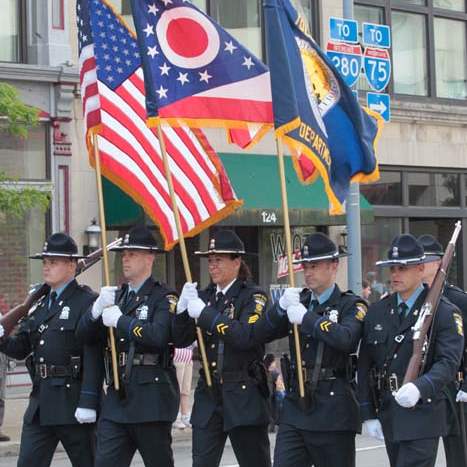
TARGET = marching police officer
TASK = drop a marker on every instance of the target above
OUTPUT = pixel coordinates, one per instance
(140, 416)
(319, 430)
(65, 382)
(457, 390)
(237, 404)
(411, 416)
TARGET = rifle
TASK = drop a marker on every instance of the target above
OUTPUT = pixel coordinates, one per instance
(421, 329)
(9, 320)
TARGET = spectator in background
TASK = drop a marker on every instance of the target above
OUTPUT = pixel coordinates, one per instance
(366, 290)
(183, 360)
(3, 371)
(276, 388)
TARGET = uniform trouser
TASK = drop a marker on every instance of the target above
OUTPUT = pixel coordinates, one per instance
(249, 443)
(454, 450)
(415, 453)
(303, 448)
(38, 444)
(118, 442)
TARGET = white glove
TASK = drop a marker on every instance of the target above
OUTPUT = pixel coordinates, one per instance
(408, 395)
(461, 396)
(296, 313)
(106, 298)
(373, 429)
(85, 415)
(291, 296)
(189, 292)
(195, 307)
(2, 331)
(111, 315)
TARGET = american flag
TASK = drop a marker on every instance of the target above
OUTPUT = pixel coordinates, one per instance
(113, 93)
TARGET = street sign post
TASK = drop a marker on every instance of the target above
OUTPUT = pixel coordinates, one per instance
(343, 30)
(376, 35)
(347, 58)
(380, 103)
(377, 66)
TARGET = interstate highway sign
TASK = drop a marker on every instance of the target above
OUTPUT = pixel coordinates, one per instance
(377, 66)
(376, 35)
(343, 30)
(347, 58)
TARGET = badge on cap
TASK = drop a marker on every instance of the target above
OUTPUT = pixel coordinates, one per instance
(395, 252)
(212, 244)
(65, 314)
(142, 312)
(126, 239)
(305, 250)
(45, 246)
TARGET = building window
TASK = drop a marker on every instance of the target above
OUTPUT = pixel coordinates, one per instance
(58, 14)
(10, 31)
(429, 49)
(386, 191)
(433, 189)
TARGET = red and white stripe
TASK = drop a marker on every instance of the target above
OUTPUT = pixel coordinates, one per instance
(184, 355)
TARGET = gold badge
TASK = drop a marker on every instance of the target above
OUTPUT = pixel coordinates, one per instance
(361, 312)
(459, 323)
(260, 301)
(173, 300)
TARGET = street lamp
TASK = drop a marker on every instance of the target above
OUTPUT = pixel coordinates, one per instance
(93, 233)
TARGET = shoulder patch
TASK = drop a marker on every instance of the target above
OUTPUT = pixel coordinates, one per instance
(362, 309)
(459, 323)
(173, 300)
(260, 300)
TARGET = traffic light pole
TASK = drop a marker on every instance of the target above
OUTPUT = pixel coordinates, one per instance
(354, 242)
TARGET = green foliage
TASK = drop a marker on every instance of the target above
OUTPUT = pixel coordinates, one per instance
(19, 116)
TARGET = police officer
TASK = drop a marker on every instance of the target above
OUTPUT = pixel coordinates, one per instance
(457, 390)
(320, 429)
(410, 416)
(140, 416)
(237, 404)
(65, 374)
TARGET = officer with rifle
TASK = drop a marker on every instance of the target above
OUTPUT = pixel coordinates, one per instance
(140, 414)
(65, 373)
(411, 349)
(237, 403)
(320, 428)
(455, 443)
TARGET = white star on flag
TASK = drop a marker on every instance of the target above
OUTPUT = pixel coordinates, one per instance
(149, 30)
(162, 92)
(247, 62)
(165, 69)
(153, 9)
(230, 47)
(183, 78)
(204, 76)
(152, 51)
(166, 2)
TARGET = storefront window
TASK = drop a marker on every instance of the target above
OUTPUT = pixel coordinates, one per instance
(386, 191)
(24, 158)
(451, 58)
(10, 31)
(432, 189)
(376, 239)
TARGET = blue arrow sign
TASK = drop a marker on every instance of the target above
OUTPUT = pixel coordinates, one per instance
(380, 103)
(377, 66)
(347, 58)
(343, 30)
(376, 35)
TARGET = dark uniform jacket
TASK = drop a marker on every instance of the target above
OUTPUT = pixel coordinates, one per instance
(381, 329)
(335, 326)
(227, 327)
(150, 392)
(48, 338)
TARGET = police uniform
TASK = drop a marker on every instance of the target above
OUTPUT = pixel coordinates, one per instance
(453, 443)
(411, 434)
(237, 404)
(140, 415)
(320, 429)
(64, 371)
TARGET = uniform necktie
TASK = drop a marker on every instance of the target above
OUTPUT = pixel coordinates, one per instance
(53, 299)
(130, 297)
(403, 310)
(219, 300)
(313, 304)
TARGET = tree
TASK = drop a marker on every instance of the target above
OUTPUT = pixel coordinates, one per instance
(15, 199)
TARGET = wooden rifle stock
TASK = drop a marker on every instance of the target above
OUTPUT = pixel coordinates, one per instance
(421, 329)
(10, 319)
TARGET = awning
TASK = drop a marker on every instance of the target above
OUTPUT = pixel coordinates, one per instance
(256, 181)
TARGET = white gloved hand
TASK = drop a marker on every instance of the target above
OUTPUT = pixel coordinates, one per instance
(111, 315)
(373, 429)
(106, 298)
(189, 292)
(2, 331)
(296, 313)
(408, 395)
(291, 296)
(461, 396)
(85, 415)
(195, 307)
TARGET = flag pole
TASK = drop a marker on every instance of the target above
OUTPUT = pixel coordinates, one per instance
(288, 243)
(105, 254)
(183, 251)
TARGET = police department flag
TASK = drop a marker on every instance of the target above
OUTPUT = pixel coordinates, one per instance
(196, 72)
(315, 112)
